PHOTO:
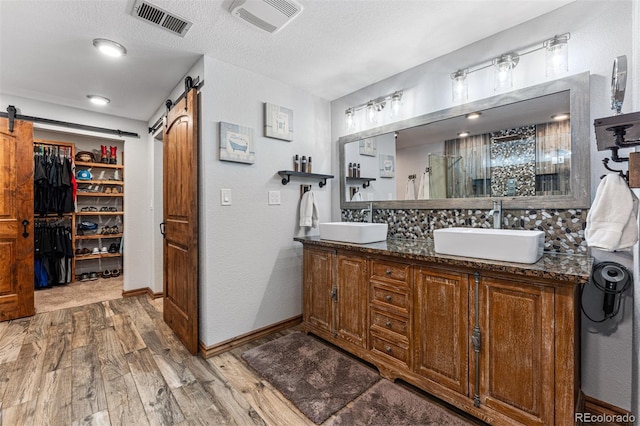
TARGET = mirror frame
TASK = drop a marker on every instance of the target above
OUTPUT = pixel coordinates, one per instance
(580, 196)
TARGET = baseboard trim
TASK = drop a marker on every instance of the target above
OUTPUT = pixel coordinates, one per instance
(209, 351)
(610, 414)
(142, 292)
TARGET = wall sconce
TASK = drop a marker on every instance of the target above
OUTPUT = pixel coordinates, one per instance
(373, 109)
(556, 62)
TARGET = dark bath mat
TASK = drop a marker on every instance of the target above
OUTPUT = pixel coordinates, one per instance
(316, 378)
(389, 404)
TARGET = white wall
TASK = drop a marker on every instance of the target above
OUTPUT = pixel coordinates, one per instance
(600, 31)
(250, 267)
(137, 201)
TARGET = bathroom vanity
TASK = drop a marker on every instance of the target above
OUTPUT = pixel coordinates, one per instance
(498, 340)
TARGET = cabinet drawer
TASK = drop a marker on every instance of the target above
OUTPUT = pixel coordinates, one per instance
(390, 323)
(395, 351)
(390, 297)
(390, 270)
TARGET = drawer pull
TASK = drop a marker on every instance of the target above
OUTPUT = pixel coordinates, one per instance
(388, 272)
(388, 298)
(387, 349)
(388, 324)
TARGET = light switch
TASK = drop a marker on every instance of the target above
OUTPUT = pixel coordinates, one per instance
(274, 198)
(225, 197)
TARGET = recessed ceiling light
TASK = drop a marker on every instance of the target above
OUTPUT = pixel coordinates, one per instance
(98, 100)
(473, 115)
(561, 116)
(109, 47)
(463, 134)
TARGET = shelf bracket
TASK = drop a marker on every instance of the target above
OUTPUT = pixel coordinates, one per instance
(286, 180)
(322, 183)
(366, 184)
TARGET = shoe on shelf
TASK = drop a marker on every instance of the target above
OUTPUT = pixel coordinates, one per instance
(115, 273)
(106, 274)
(113, 248)
(104, 250)
(84, 277)
(93, 276)
(96, 250)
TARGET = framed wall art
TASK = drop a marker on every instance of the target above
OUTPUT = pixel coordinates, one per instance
(236, 143)
(387, 166)
(369, 147)
(278, 122)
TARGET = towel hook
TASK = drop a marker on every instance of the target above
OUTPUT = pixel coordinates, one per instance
(617, 159)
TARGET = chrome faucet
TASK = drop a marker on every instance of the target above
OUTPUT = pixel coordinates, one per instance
(369, 211)
(496, 212)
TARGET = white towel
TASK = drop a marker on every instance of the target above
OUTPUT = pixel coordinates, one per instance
(612, 219)
(357, 197)
(423, 187)
(410, 190)
(308, 210)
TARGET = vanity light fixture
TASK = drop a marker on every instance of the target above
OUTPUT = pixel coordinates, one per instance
(98, 100)
(109, 47)
(557, 51)
(473, 115)
(373, 109)
(560, 116)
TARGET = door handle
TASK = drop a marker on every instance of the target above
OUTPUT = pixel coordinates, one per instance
(162, 230)
(25, 233)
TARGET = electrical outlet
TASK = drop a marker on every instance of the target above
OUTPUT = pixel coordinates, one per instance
(274, 198)
(225, 197)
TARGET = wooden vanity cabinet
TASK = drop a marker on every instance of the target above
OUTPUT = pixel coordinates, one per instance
(389, 319)
(500, 346)
(441, 328)
(516, 321)
(335, 295)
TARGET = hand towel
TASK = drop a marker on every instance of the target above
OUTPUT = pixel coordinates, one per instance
(357, 197)
(423, 187)
(410, 190)
(308, 210)
(612, 219)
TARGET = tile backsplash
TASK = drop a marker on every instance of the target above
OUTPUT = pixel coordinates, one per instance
(564, 228)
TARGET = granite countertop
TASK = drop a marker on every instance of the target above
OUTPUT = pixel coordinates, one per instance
(554, 266)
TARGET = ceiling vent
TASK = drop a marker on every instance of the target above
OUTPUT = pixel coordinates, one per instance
(160, 18)
(268, 15)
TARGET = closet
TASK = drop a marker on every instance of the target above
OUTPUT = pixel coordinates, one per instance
(78, 208)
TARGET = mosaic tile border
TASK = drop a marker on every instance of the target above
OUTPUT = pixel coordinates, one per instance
(564, 228)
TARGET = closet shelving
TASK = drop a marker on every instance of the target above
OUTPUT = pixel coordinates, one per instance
(98, 198)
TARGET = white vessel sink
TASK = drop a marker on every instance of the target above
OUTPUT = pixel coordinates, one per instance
(353, 232)
(508, 245)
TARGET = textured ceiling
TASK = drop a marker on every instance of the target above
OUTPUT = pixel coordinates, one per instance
(332, 48)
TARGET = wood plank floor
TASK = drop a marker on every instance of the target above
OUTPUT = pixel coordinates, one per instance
(117, 363)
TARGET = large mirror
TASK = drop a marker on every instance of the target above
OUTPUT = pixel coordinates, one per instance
(528, 148)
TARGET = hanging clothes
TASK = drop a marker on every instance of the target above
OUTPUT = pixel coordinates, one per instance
(53, 254)
(53, 181)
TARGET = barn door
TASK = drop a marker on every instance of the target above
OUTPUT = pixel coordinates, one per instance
(16, 220)
(180, 158)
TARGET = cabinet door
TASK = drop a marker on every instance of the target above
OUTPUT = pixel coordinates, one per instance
(351, 312)
(441, 306)
(517, 350)
(318, 282)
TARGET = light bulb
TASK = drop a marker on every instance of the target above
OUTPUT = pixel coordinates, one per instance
(109, 47)
(557, 55)
(396, 104)
(98, 100)
(459, 86)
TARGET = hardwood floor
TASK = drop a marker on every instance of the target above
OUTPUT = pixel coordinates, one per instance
(118, 363)
(78, 294)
